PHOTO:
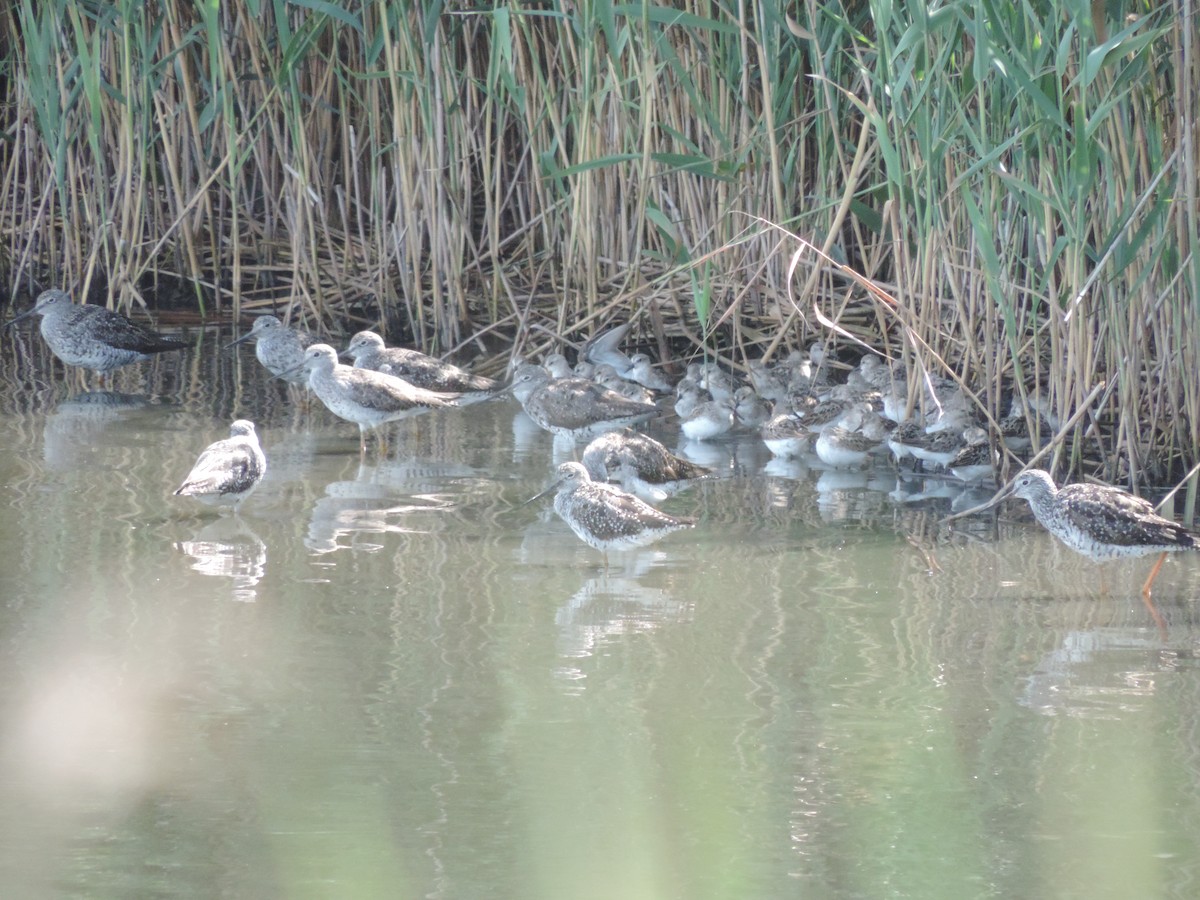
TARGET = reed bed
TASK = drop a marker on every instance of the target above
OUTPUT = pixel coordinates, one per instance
(1003, 192)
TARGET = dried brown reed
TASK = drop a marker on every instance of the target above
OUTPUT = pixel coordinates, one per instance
(1024, 188)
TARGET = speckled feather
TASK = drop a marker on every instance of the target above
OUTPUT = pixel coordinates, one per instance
(1100, 521)
(606, 517)
(640, 463)
(575, 406)
(974, 462)
(227, 471)
(363, 396)
(94, 337)
(786, 434)
(279, 349)
(419, 369)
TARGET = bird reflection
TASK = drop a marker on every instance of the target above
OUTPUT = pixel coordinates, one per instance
(381, 499)
(915, 489)
(527, 436)
(794, 468)
(605, 608)
(73, 426)
(713, 454)
(1099, 673)
(229, 548)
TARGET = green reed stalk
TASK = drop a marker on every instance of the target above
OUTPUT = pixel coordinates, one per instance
(1020, 178)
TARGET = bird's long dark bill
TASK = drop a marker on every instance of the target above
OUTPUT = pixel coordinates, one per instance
(284, 374)
(15, 319)
(539, 495)
(244, 337)
(1005, 493)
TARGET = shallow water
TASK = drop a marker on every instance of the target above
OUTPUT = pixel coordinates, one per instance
(391, 679)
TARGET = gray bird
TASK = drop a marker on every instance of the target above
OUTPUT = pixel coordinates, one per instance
(574, 407)
(366, 397)
(642, 465)
(227, 471)
(606, 517)
(278, 348)
(1103, 522)
(94, 337)
(368, 351)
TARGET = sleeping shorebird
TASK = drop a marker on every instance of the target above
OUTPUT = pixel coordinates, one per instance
(227, 471)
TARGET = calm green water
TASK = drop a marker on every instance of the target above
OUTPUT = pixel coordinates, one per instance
(393, 681)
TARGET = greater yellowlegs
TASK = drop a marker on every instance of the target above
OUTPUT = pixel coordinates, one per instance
(1104, 522)
(278, 348)
(365, 397)
(604, 516)
(368, 351)
(574, 407)
(227, 471)
(94, 337)
(642, 465)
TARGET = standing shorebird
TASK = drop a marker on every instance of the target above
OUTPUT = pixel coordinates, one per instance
(574, 407)
(280, 349)
(641, 465)
(420, 370)
(228, 471)
(709, 419)
(642, 371)
(366, 398)
(604, 516)
(94, 337)
(1103, 522)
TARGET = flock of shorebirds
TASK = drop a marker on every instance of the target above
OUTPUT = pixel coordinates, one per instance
(606, 497)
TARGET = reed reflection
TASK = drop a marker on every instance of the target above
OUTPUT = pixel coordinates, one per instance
(387, 497)
(1102, 672)
(74, 427)
(609, 606)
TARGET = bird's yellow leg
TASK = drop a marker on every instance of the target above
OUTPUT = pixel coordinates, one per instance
(1154, 613)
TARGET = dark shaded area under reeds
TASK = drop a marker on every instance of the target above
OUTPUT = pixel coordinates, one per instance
(1020, 184)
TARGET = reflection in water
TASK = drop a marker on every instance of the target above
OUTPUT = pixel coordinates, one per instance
(716, 455)
(793, 467)
(792, 699)
(1100, 673)
(74, 426)
(527, 436)
(607, 607)
(381, 499)
(229, 548)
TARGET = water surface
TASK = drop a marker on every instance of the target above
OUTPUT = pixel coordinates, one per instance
(390, 679)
